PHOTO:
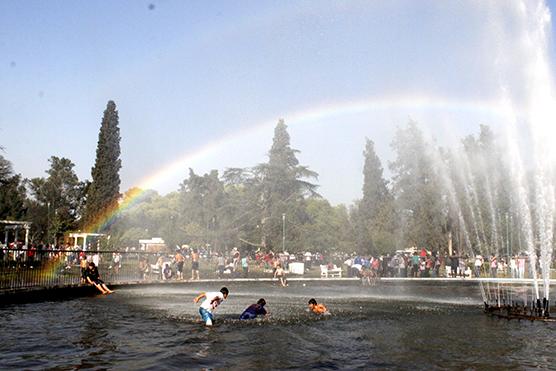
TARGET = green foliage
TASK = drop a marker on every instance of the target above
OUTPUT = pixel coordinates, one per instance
(416, 187)
(12, 193)
(374, 216)
(283, 188)
(483, 195)
(104, 191)
(435, 195)
(57, 200)
(329, 228)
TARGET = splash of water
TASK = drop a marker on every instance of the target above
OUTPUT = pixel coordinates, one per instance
(540, 113)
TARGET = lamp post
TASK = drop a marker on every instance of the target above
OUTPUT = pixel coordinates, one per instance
(507, 238)
(283, 232)
(48, 223)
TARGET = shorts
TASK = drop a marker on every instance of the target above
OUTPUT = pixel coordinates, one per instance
(206, 315)
(195, 266)
(248, 315)
(180, 267)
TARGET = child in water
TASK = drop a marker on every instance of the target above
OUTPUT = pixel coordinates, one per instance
(254, 310)
(212, 300)
(317, 308)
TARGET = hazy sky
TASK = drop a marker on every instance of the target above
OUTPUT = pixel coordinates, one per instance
(202, 84)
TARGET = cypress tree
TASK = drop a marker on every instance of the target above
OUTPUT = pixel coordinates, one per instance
(375, 187)
(104, 191)
(375, 211)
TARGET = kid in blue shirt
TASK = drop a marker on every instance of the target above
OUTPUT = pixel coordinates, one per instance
(254, 310)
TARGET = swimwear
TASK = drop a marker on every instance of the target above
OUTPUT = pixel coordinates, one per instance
(195, 266)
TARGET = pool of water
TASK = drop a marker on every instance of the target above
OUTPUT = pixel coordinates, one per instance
(389, 326)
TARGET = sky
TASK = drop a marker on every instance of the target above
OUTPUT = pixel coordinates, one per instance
(202, 84)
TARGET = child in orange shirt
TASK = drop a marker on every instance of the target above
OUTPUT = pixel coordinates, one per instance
(317, 308)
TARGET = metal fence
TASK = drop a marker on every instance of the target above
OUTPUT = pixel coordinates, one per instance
(21, 268)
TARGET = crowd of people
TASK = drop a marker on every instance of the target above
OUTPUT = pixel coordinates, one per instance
(190, 263)
(232, 264)
(423, 263)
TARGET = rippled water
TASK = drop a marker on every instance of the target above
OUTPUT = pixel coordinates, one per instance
(404, 327)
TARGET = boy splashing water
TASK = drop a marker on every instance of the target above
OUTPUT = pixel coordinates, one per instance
(254, 310)
(212, 300)
(317, 308)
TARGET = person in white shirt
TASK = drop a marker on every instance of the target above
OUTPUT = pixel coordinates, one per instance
(212, 300)
(478, 265)
(513, 266)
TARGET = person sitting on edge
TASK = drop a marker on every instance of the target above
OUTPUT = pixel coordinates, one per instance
(255, 310)
(317, 308)
(93, 278)
(212, 300)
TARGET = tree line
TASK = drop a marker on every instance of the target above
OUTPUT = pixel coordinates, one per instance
(437, 198)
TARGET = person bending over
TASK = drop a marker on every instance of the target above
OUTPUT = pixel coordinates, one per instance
(93, 278)
(212, 300)
(255, 310)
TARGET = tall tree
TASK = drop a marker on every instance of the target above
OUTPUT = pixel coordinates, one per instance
(419, 197)
(483, 191)
(12, 192)
(104, 191)
(60, 195)
(329, 229)
(283, 189)
(375, 210)
(203, 199)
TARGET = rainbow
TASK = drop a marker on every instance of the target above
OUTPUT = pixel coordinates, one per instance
(313, 114)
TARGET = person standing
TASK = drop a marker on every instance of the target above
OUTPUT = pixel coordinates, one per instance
(454, 262)
(521, 266)
(212, 300)
(281, 275)
(180, 260)
(83, 264)
(116, 262)
(493, 266)
(478, 265)
(245, 266)
(513, 266)
(415, 265)
(195, 264)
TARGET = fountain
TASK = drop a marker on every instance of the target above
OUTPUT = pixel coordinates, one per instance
(502, 194)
